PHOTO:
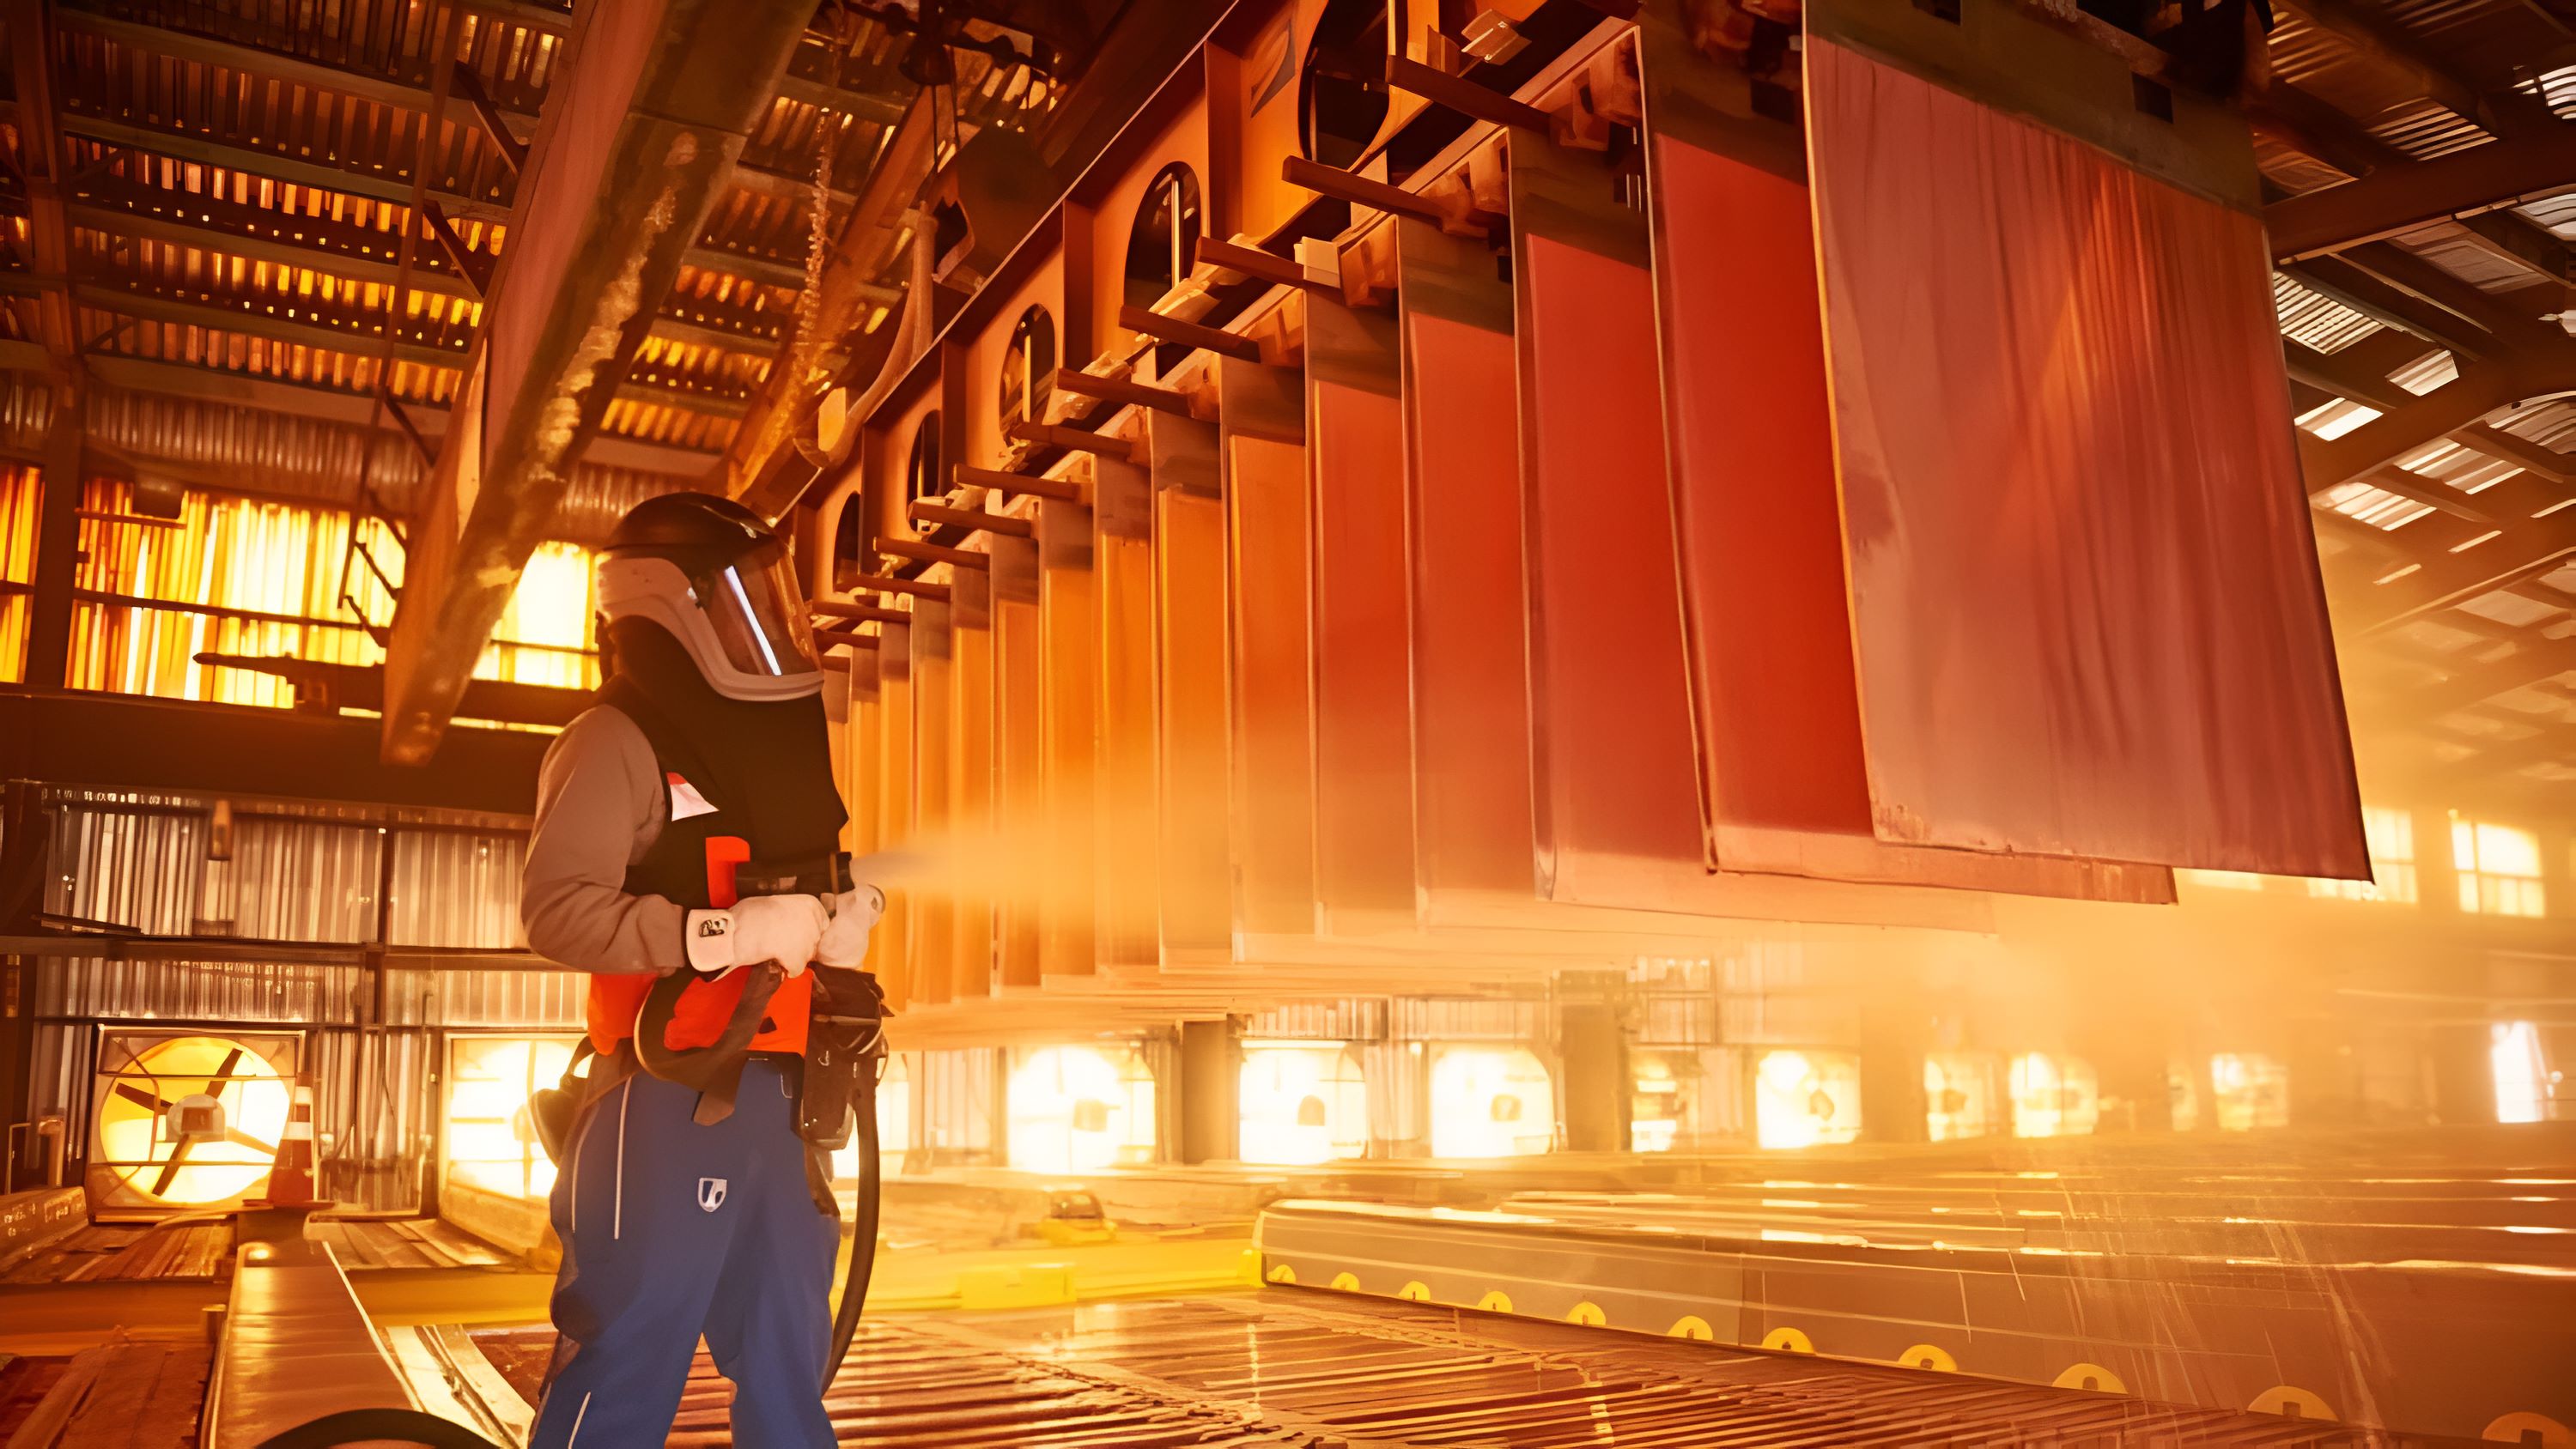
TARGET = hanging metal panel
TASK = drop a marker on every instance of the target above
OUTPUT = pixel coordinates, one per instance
(1019, 765)
(1197, 887)
(1616, 766)
(1068, 724)
(1261, 437)
(933, 694)
(1364, 832)
(2070, 497)
(1127, 804)
(1470, 598)
(970, 784)
(1758, 520)
(890, 944)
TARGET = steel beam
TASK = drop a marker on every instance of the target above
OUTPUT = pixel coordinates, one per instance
(2402, 196)
(2536, 660)
(613, 195)
(861, 251)
(378, 89)
(40, 163)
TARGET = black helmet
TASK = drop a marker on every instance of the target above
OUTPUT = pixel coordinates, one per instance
(717, 578)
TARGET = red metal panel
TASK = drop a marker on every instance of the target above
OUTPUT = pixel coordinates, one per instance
(1125, 805)
(1616, 764)
(1263, 444)
(1363, 716)
(2084, 585)
(1760, 531)
(890, 944)
(934, 674)
(1471, 674)
(1068, 726)
(970, 783)
(1197, 897)
(1019, 765)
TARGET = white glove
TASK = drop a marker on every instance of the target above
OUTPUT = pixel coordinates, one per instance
(855, 912)
(784, 929)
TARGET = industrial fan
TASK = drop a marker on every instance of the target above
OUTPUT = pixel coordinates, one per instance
(185, 1121)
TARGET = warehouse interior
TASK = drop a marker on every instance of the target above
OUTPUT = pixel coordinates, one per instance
(1606, 722)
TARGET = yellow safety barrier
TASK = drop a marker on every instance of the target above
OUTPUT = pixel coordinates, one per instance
(1283, 1274)
(1495, 1301)
(1929, 1356)
(1692, 1326)
(1785, 1339)
(2092, 1377)
(2291, 1403)
(2524, 1427)
(1346, 1282)
(1416, 1291)
(1589, 1315)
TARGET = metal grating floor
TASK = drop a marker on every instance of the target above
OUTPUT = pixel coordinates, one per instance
(1288, 1367)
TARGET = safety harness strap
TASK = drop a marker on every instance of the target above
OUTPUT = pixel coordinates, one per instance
(713, 1071)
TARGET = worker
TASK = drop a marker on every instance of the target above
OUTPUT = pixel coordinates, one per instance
(706, 754)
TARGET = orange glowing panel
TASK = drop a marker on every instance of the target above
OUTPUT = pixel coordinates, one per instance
(1262, 435)
(1760, 526)
(1068, 724)
(1190, 648)
(1615, 760)
(2083, 577)
(1471, 676)
(1019, 760)
(1126, 805)
(889, 798)
(934, 689)
(1363, 664)
(970, 784)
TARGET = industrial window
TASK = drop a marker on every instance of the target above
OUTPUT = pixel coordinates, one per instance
(850, 543)
(1806, 1098)
(921, 472)
(2226, 880)
(2527, 1088)
(253, 579)
(1301, 1103)
(1028, 367)
(2499, 868)
(1491, 1102)
(2392, 860)
(2249, 1090)
(18, 491)
(2054, 1096)
(1164, 242)
(1341, 107)
(491, 1143)
(1080, 1109)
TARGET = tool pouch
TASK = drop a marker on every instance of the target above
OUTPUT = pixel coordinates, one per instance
(844, 1040)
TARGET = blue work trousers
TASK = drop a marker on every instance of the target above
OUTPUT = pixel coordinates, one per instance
(672, 1230)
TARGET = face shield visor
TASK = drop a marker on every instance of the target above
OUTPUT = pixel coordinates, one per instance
(757, 615)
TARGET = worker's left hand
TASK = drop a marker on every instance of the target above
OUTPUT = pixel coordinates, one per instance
(854, 913)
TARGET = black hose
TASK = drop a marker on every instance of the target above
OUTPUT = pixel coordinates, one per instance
(368, 1426)
(863, 1243)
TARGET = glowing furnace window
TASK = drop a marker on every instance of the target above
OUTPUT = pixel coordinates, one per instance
(1491, 1102)
(1806, 1098)
(1302, 1102)
(1080, 1109)
(491, 1142)
(2054, 1096)
(1959, 1096)
(2249, 1090)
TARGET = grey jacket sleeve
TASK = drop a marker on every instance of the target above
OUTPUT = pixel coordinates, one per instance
(600, 804)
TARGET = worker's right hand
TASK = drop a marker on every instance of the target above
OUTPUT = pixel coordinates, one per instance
(784, 929)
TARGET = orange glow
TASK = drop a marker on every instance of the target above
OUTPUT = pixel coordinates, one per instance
(1806, 1098)
(1491, 1102)
(2250, 1090)
(2054, 1096)
(489, 1142)
(1080, 1109)
(1302, 1103)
